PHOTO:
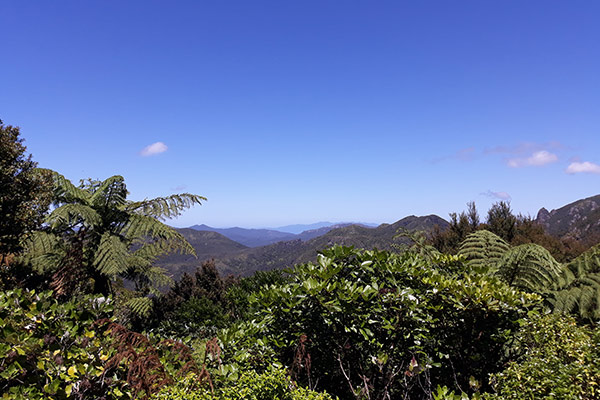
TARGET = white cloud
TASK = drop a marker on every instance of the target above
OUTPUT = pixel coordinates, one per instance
(497, 195)
(587, 167)
(154, 148)
(537, 159)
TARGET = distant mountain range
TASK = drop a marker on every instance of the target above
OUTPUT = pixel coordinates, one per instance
(236, 258)
(242, 251)
(263, 237)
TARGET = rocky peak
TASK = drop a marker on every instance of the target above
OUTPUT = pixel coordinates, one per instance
(543, 216)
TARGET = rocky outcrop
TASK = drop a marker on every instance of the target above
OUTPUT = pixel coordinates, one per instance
(577, 220)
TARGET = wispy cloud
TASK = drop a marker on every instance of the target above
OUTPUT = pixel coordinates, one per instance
(583, 167)
(524, 148)
(537, 159)
(465, 154)
(179, 188)
(153, 149)
(497, 195)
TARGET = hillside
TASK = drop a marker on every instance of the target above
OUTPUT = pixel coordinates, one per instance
(249, 237)
(207, 245)
(577, 220)
(264, 237)
(245, 261)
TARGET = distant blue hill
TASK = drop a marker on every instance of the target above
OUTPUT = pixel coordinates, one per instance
(249, 237)
(299, 228)
(263, 237)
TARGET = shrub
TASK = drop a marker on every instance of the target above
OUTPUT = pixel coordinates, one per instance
(72, 350)
(379, 325)
(273, 384)
(49, 349)
(555, 359)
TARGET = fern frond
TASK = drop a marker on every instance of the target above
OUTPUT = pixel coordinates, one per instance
(72, 214)
(530, 267)
(39, 243)
(577, 290)
(140, 306)
(64, 190)
(165, 207)
(43, 251)
(111, 192)
(483, 249)
(151, 251)
(149, 228)
(564, 301)
(158, 277)
(111, 257)
(587, 263)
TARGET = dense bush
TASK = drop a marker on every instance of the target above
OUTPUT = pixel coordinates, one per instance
(25, 193)
(199, 305)
(71, 350)
(555, 359)
(378, 325)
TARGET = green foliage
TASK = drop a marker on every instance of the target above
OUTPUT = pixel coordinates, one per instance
(24, 193)
(557, 359)
(529, 267)
(378, 325)
(52, 350)
(273, 384)
(577, 290)
(199, 305)
(483, 249)
(196, 305)
(443, 393)
(95, 236)
(72, 350)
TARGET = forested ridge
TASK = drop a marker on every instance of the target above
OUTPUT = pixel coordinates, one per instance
(483, 308)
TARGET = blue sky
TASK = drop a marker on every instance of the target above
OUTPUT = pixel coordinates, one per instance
(284, 112)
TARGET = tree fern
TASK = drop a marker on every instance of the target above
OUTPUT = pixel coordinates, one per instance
(530, 267)
(96, 234)
(577, 290)
(483, 249)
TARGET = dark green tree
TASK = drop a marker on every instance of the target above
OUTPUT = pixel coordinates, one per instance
(461, 225)
(502, 221)
(24, 193)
